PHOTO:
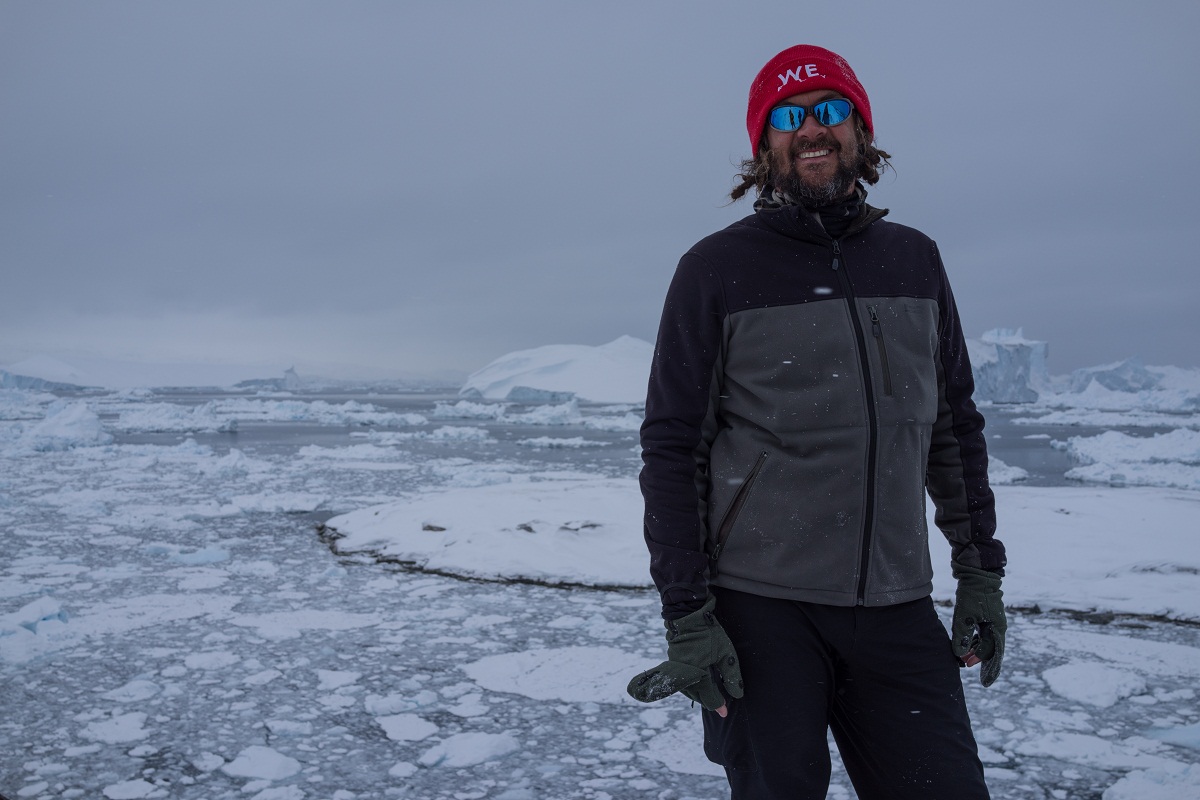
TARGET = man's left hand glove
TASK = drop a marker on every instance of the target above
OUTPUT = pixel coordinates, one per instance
(696, 647)
(979, 623)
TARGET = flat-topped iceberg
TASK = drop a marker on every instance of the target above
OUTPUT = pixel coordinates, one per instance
(1007, 366)
(616, 372)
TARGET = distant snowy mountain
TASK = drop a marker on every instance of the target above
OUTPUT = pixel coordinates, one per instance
(616, 372)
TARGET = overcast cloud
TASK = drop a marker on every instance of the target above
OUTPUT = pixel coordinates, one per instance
(371, 188)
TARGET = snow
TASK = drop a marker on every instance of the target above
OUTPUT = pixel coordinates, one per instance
(616, 372)
(1074, 544)
(537, 527)
(173, 623)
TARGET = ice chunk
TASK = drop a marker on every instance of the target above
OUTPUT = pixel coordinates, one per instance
(1183, 736)
(29, 616)
(406, 727)
(468, 749)
(1000, 473)
(1168, 782)
(336, 679)
(573, 674)
(67, 425)
(257, 761)
(1168, 459)
(129, 790)
(132, 692)
(1094, 684)
(118, 729)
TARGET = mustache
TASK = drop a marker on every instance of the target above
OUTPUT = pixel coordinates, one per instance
(821, 142)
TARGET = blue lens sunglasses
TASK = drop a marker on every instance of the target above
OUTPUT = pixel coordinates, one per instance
(827, 112)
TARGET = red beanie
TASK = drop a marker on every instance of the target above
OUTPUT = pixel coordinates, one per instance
(799, 69)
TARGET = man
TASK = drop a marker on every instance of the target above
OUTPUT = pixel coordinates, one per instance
(810, 384)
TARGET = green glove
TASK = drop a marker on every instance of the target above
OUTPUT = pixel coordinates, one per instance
(979, 623)
(695, 643)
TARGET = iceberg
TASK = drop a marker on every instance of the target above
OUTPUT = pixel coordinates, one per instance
(1124, 376)
(1128, 386)
(616, 372)
(67, 425)
(41, 373)
(1007, 367)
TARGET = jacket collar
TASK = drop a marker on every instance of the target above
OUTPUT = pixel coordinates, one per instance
(798, 222)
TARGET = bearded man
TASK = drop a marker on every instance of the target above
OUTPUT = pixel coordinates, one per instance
(810, 385)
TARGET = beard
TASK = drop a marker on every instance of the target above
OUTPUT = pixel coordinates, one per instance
(811, 190)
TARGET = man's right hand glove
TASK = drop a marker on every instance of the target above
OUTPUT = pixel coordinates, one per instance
(979, 623)
(696, 645)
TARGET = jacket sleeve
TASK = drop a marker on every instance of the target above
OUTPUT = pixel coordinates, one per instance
(681, 405)
(956, 475)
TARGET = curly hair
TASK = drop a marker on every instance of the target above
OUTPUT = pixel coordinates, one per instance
(757, 172)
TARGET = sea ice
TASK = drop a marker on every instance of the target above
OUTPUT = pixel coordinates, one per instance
(1168, 782)
(266, 763)
(330, 679)
(132, 790)
(117, 730)
(468, 749)
(133, 692)
(577, 674)
(406, 727)
(67, 425)
(1168, 459)
(1094, 684)
(1184, 736)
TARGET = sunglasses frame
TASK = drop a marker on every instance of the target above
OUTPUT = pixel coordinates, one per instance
(807, 111)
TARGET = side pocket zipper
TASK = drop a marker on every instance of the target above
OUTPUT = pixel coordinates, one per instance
(877, 332)
(731, 515)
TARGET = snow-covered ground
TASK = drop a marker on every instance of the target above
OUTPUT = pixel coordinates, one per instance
(175, 622)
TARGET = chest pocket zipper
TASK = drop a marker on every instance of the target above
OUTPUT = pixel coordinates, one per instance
(877, 332)
(731, 515)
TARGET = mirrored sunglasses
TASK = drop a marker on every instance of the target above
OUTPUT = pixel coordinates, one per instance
(827, 113)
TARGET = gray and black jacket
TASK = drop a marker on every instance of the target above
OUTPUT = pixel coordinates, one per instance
(805, 394)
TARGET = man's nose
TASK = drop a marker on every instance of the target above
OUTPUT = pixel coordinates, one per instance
(810, 127)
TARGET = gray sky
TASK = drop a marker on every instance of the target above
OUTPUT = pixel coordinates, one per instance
(370, 188)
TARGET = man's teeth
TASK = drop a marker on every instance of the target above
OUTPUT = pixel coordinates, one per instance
(814, 153)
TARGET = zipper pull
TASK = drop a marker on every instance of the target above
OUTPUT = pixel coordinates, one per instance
(712, 560)
(837, 251)
(876, 330)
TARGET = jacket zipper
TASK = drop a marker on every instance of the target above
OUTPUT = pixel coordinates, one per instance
(872, 425)
(731, 515)
(877, 332)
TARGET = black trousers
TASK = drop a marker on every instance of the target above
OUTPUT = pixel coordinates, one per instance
(884, 680)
